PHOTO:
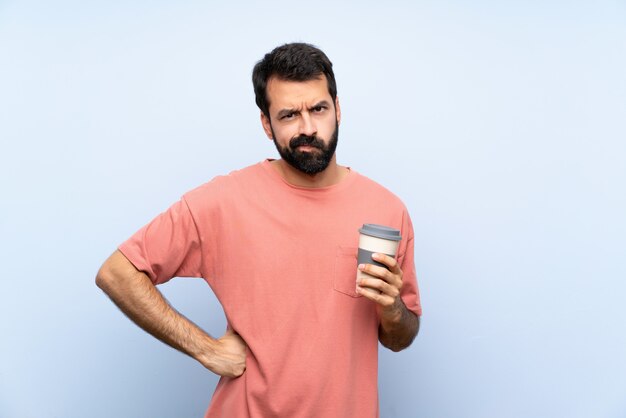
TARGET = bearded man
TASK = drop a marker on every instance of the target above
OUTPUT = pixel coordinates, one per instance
(277, 244)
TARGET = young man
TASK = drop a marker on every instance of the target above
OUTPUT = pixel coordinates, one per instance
(277, 243)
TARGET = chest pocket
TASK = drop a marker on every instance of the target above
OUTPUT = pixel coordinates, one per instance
(344, 276)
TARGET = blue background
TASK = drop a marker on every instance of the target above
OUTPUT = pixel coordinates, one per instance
(502, 125)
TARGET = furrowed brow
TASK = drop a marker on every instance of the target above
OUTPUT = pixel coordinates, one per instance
(323, 103)
(285, 112)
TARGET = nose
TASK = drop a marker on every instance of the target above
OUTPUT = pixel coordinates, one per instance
(307, 126)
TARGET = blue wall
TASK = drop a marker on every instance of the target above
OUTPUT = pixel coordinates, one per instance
(502, 125)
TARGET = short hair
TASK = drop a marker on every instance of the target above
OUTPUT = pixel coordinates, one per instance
(291, 62)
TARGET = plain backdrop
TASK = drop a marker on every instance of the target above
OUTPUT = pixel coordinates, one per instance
(501, 124)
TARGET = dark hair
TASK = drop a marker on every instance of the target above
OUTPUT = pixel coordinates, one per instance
(291, 62)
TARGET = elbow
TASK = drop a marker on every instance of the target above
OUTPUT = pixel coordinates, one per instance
(104, 277)
(110, 282)
(108, 276)
(395, 343)
(117, 275)
(397, 346)
(400, 339)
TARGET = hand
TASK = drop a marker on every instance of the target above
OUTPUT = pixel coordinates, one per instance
(228, 358)
(382, 285)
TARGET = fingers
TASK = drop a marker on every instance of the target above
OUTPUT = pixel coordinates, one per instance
(231, 357)
(390, 262)
(378, 272)
(375, 295)
(391, 275)
(379, 284)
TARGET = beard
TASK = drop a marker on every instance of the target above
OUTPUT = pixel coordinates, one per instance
(309, 162)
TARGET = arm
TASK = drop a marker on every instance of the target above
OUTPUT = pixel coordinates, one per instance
(133, 292)
(398, 326)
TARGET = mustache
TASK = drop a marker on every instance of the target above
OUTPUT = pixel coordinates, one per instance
(312, 141)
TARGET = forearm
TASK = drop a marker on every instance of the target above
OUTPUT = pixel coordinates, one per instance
(398, 326)
(133, 292)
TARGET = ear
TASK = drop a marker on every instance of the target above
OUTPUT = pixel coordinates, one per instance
(267, 127)
(337, 110)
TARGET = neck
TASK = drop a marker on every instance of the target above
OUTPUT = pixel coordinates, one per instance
(333, 174)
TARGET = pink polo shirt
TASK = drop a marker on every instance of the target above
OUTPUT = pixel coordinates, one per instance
(282, 262)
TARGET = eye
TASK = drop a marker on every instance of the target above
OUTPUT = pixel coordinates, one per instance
(318, 109)
(288, 116)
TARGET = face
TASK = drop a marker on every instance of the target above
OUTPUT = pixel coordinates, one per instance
(303, 123)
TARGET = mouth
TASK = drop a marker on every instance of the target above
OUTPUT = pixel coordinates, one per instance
(306, 148)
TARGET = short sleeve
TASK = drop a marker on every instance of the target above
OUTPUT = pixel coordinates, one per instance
(169, 246)
(410, 291)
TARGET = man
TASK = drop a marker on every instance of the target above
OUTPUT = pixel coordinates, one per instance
(277, 243)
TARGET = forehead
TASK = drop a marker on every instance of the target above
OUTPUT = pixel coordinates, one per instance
(286, 94)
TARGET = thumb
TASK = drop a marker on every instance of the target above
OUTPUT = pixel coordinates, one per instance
(230, 331)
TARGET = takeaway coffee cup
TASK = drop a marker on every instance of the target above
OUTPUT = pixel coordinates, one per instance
(376, 239)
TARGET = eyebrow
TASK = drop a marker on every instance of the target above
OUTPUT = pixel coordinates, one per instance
(321, 103)
(285, 112)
